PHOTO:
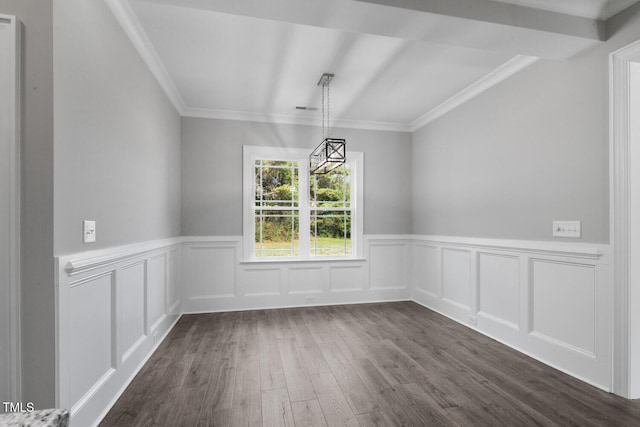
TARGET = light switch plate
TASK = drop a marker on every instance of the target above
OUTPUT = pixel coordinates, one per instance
(89, 231)
(567, 229)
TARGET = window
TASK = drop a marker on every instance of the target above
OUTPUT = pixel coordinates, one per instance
(289, 214)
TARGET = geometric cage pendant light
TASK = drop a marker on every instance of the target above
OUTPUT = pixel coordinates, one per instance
(331, 152)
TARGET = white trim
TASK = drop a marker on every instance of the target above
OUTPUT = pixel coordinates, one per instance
(390, 258)
(205, 113)
(575, 250)
(511, 318)
(217, 239)
(91, 260)
(620, 223)
(12, 148)
(104, 268)
(503, 72)
(134, 30)
(125, 15)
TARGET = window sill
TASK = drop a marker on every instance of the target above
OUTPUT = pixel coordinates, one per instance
(301, 260)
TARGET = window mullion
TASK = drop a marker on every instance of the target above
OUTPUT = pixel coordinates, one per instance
(303, 206)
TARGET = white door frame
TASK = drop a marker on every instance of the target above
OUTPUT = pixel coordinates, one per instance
(626, 363)
(10, 228)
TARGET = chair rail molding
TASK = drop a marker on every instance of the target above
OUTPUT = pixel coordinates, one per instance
(10, 366)
(622, 182)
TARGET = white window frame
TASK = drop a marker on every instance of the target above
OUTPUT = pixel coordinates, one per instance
(251, 153)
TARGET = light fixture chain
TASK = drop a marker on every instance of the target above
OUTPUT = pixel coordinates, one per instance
(328, 109)
(324, 135)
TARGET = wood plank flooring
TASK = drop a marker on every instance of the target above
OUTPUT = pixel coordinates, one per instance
(387, 364)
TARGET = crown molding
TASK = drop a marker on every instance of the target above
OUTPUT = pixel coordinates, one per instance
(204, 113)
(127, 19)
(506, 70)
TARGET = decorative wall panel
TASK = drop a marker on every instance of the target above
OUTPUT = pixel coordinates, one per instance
(456, 277)
(91, 333)
(564, 303)
(499, 288)
(108, 300)
(132, 308)
(551, 300)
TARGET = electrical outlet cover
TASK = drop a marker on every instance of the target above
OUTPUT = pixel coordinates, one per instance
(567, 229)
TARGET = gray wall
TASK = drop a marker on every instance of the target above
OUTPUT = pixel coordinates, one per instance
(531, 150)
(117, 136)
(117, 157)
(212, 172)
(37, 291)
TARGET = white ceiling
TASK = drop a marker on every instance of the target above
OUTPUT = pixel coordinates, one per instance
(395, 67)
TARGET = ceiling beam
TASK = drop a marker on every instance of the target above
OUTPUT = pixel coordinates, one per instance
(478, 24)
(507, 14)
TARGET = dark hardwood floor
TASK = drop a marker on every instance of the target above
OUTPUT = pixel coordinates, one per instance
(381, 364)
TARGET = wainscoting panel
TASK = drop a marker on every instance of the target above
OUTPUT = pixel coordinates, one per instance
(388, 263)
(346, 278)
(456, 278)
(426, 270)
(112, 313)
(157, 291)
(564, 304)
(132, 312)
(550, 300)
(91, 323)
(499, 289)
(306, 280)
(174, 283)
(211, 272)
(220, 281)
(265, 281)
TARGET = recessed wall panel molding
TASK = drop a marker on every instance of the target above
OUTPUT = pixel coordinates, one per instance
(208, 281)
(156, 291)
(91, 332)
(456, 277)
(173, 283)
(132, 311)
(210, 269)
(551, 300)
(563, 304)
(107, 302)
(262, 281)
(346, 278)
(306, 280)
(499, 288)
(426, 271)
(388, 262)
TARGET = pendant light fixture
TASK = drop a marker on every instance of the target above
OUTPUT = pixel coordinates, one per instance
(331, 153)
